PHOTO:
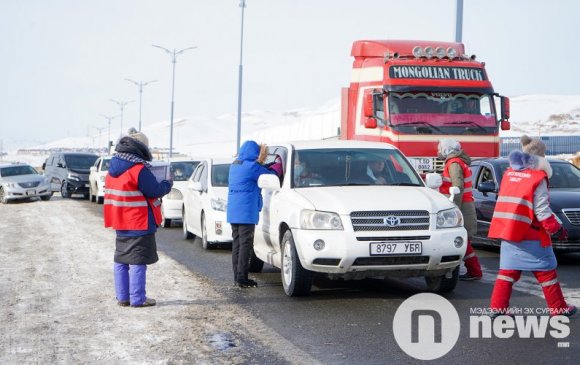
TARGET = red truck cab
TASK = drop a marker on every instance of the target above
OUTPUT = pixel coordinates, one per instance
(411, 94)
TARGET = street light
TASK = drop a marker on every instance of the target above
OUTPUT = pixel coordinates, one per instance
(240, 71)
(121, 105)
(173, 55)
(140, 84)
(100, 130)
(109, 118)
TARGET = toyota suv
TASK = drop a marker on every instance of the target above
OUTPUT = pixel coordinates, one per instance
(328, 215)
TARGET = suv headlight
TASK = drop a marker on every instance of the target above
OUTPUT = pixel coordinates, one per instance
(313, 219)
(219, 204)
(10, 185)
(74, 177)
(449, 218)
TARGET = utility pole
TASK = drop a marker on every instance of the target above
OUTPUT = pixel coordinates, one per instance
(240, 73)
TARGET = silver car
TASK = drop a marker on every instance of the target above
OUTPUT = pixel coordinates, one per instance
(22, 181)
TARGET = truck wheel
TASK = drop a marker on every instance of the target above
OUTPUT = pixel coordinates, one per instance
(186, 234)
(256, 265)
(441, 284)
(297, 281)
(64, 190)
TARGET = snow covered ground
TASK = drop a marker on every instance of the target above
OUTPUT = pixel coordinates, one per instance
(216, 136)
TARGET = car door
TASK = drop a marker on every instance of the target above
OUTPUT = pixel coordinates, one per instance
(196, 199)
(267, 230)
(485, 201)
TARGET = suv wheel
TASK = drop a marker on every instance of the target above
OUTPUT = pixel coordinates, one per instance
(443, 284)
(63, 190)
(297, 281)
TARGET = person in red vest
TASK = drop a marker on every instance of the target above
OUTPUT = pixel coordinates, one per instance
(525, 223)
(132, 207)
(457, 173)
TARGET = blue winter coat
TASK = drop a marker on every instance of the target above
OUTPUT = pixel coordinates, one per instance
(148, 185)
(244, 195)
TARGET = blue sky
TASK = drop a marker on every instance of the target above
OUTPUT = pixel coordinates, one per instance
(62, 60)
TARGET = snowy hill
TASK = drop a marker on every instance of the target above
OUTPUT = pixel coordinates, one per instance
(216, 136)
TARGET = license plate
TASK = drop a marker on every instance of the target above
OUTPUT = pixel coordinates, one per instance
(395, 248)
(423, 163)
(30, 192)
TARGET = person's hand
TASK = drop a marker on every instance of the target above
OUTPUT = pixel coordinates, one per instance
(561, 235)
(551, 225)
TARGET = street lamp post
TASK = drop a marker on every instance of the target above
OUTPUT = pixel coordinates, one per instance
(173, 55)
(109, 118)
(140, 85)
(240, 71)
(121, 105)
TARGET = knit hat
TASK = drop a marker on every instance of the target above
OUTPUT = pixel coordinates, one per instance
(533, 146)
(448, 146)
(139, 136)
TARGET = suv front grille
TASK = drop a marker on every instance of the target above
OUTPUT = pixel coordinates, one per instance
(390, 220)
(31, 184)
(390, 260)
(573, 216)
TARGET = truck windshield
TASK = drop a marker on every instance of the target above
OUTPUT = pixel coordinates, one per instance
(444, 112)
(359, 166)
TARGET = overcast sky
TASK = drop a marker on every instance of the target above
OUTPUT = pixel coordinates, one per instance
(62, 60)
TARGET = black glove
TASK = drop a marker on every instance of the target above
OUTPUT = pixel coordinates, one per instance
(561, 235)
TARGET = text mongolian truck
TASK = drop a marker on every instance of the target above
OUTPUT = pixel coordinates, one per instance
(411, 94)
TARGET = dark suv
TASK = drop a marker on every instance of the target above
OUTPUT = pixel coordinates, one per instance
(68, 172)
(564, 199)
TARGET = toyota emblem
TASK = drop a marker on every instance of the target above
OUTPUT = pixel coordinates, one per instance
(391, 221)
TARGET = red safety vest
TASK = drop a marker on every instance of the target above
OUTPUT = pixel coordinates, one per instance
(467, 183)
(125, 207)
(514, 218)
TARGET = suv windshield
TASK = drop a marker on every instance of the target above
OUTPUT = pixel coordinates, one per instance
(339, 167)
(81, 162)
(182, 170)
(17, 170)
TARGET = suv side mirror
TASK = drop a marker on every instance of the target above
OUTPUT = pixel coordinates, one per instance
(196, 185)
(60, 164)
(269, 182)
(93, 168)
(487, 187)
(433, 180)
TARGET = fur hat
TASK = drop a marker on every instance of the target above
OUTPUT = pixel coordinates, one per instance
(447, 146)
(138, 136)
(533, 146)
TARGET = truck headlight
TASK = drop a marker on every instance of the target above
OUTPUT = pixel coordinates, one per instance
(219, 204)
(449, 218)
(313, 219)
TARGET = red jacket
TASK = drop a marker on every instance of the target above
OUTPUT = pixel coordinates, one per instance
(514, 218)
(125, 207)
(467, 183)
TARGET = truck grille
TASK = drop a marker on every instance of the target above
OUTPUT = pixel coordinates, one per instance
(573, 216)
(31, 184)
(390, 220)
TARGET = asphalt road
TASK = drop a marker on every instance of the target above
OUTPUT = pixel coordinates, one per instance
(351, 322)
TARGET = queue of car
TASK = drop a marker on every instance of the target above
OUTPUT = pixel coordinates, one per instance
(323, 216)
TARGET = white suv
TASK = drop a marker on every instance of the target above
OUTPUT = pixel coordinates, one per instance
(330, 217)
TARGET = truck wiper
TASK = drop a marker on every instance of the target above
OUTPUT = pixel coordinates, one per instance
(429, 125)
(469, 122)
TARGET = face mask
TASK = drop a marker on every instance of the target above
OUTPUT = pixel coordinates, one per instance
(298, 170)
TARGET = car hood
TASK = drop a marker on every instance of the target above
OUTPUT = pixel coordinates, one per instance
(564, 198)
(346, 199)
(23, 178)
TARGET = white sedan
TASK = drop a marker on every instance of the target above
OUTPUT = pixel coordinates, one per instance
(97, 175)
(205, 203)
(180, 170)
(330, 216)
